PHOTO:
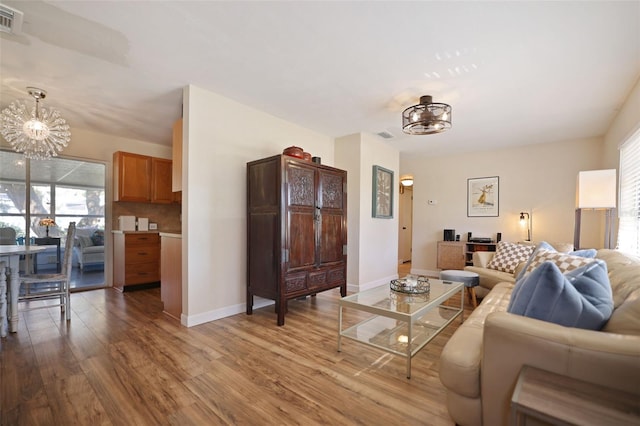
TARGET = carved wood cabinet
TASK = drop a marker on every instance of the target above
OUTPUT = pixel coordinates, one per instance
(296, 230)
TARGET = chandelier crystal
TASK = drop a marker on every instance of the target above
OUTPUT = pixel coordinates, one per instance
(38, 133)
(426, 118)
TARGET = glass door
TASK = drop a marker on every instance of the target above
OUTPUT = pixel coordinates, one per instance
(63, 190)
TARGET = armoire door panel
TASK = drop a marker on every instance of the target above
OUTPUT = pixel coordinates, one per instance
(331, 190)
(331, 240)
(301, 184)
(301, 239)
(262, 247)
(263, 185)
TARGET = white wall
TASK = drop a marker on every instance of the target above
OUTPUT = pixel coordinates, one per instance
(221, 136)
(540, 179)
(372, 242)
(624, 125)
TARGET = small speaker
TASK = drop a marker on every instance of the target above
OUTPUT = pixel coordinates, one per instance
(449, 235)
(468, 236)
(457, 237)
(498, 237)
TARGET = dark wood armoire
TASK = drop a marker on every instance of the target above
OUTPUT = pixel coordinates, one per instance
(296, 230)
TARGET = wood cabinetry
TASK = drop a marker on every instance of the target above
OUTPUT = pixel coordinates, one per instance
(458, 254)
(131, 177)
(171, 274)
(473, 247)
(296, 230)
(141, 178)
(176, 154)
(136, 258)
(451, 255)
(161, 181)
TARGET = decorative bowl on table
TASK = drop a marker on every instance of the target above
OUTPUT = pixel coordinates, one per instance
(411, 284)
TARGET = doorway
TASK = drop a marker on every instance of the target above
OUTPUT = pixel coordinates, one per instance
(405, 224)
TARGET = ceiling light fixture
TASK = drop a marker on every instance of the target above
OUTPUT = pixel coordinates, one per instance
(426, 118)
(406, 181)
(38, 133)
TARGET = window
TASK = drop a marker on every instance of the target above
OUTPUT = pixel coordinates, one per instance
(62, 189)
(629, 216)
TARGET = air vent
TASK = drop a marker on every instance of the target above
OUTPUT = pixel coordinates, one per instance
(385, 135)
(10, 20)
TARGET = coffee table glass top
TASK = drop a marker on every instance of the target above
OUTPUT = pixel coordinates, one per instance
(382, 298)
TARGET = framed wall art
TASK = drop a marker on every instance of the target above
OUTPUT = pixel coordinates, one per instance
(483, 197)
(382, 193)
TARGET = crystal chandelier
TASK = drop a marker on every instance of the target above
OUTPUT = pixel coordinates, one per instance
(38, 133)
(426, 118)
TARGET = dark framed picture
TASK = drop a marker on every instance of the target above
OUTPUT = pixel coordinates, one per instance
(382, 193)
(483, 197)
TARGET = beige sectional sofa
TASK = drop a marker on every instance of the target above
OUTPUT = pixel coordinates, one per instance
(481, 362)
(490, 277)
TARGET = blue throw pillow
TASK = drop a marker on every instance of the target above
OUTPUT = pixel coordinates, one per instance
(98, 238)
(580, 298)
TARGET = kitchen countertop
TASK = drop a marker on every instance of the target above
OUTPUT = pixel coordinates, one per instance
(117, 231)
(171, 234)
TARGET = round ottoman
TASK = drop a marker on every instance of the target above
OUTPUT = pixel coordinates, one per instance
(470, 280)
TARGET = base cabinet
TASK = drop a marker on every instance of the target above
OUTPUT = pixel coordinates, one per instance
(171, 274)
(451, 255)
(296, 230)
(136, 259)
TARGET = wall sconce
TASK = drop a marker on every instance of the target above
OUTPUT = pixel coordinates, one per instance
(596, 190)
(526, 221)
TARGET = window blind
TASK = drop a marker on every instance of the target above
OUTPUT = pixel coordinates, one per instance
(629, 210)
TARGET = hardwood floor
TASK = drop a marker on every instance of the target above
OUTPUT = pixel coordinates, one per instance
(121, 361)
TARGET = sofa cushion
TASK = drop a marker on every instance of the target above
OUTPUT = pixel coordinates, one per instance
(565, 261)
(580, 298)
(509, 255)
(624, 275)
(84, 241)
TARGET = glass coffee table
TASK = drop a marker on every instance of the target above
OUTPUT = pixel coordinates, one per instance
(401, 323)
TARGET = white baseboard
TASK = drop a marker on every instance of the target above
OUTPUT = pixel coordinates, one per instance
(227, 311)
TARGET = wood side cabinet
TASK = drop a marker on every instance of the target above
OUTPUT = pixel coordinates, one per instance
(161, 170)
(296, 230)
(131, 177)
(136, 259)
(451, 255)
(142, 178)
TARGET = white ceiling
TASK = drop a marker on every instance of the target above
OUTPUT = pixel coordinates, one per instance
(514, 72)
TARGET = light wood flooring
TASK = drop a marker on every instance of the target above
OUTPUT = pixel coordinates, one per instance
(121, 361)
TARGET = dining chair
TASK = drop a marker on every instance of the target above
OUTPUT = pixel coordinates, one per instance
(50, 286)
(7, 236)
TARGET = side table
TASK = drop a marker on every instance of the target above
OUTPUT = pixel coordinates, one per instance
(48, 241)
(470, 280)
(562, 400)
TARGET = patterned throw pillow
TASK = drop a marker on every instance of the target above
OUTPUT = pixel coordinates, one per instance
(509, 255)
(565, 262)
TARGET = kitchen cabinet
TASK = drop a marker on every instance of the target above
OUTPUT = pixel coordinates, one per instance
(296, 230)
(161, 170)
(136, 259)
(171, 273)
(176, 177)
(141, 178)
(131, 177)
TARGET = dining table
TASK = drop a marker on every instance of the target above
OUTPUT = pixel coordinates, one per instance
(10, 266)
